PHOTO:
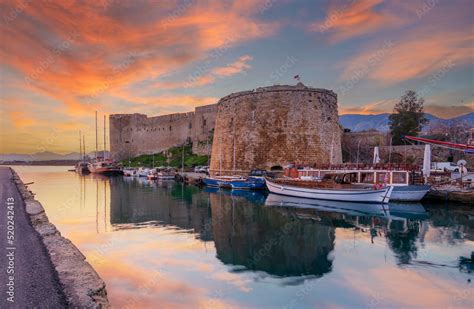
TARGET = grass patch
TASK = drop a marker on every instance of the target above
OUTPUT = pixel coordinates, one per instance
(171, 157)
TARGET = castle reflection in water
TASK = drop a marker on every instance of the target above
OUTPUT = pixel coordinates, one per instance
(261, 233)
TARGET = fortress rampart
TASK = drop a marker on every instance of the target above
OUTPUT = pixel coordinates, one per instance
(137, 134)
(263, 128)
(274, 126)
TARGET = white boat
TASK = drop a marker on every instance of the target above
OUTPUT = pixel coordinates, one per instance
(409, 193)
(400, 178)
(143, 172)
(165, 173)
(129, 172)
(350, 193)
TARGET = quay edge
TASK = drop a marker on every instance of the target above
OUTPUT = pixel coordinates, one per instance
(81, 284)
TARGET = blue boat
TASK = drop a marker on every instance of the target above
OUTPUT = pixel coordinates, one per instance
(252, 182)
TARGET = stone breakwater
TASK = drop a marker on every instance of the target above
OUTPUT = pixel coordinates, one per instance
(81, 284)
(271, 127)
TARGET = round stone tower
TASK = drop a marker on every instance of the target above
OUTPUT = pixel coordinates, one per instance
(271, 127)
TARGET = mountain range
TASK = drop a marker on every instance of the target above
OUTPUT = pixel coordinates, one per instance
(379, 122)
(44, 156)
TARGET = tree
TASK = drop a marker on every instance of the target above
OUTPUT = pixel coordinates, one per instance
(408, 117)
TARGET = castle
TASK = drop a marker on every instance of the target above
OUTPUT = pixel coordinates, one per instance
(267, 127)
(136, 134)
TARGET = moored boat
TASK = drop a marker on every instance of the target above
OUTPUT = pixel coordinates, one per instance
(405, 179)
(143, 172)
(330, 190)
(409, 193)
(165, 173)
(252, 182)
(104, 167)
(129, 172)
(81, 167)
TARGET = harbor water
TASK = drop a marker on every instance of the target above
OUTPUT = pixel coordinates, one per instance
(165, 244)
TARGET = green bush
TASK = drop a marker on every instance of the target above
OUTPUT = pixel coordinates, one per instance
(174, 158)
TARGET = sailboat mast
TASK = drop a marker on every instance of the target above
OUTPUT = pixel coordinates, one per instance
(96, 137)
(220, 155)
(234, 149)
(182, 160)
(80, 146)
(83, 148)
(104, 138)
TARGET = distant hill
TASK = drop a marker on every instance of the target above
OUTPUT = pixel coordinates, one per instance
(357, 122)
(43, 156)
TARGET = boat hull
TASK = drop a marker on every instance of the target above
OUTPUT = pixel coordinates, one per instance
(410, 193)
(237, 184)
(381, 196)
(106, 171)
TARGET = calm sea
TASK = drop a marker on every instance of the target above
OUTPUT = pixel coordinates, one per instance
(164, 244)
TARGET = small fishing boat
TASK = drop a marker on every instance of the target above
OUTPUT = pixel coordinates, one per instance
(236, 182)
(165, 173)
(406, 180)
(129, 172)
(409, 193)
(152, 175)
(336, 187)
(220, 181)
(143, 172)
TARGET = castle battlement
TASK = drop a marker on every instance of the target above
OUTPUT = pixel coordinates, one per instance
(279, 88)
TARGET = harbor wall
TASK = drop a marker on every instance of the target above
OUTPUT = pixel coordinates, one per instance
(271, 127)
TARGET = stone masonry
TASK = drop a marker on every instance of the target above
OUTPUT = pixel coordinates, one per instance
(137, 134)
(271, 127)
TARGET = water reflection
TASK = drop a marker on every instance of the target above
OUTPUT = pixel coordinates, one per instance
(267, 239)
(231, 248)
(137, 202)
(282, 236)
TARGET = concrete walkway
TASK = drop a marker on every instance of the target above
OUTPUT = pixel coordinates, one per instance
(35, 282)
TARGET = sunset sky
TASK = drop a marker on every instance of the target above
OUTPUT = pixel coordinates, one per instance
(62, 60)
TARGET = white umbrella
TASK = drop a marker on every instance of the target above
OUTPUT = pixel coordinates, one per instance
(376, 155)
(427, 161)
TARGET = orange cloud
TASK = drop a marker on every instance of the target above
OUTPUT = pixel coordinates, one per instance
(419, 54)
(203, 77)
(75, 52)
(192, 83)
(234, 68)
(355, 18)
(21, 119)
(378, 107)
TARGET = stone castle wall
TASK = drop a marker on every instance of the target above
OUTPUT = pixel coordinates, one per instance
(137, 134)
(275, 126)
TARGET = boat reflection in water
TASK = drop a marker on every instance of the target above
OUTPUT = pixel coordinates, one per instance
(282, 236)
(238, 247)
